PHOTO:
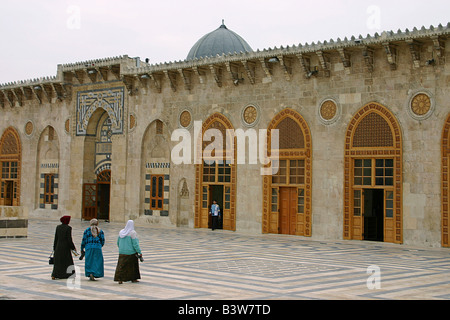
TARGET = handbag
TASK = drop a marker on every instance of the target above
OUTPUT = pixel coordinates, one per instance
(51, 259)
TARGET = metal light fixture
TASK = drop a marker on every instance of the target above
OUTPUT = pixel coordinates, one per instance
(430, 62)
(313, 72)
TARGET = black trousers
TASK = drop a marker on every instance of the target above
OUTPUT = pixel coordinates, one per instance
(215, 222)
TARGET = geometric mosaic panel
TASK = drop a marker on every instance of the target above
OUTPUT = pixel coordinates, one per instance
(264, 268)
(111, 100)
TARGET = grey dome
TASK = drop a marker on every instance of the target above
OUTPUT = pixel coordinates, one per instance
(220, 41)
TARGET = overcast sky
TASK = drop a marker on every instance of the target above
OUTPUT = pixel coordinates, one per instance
(37, 35)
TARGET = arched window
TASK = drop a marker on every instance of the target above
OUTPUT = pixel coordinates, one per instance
(10, 159)
(287, 194)
(216, 179)
(373, 131)
(373, 176)
(48, 169)
(445, 183)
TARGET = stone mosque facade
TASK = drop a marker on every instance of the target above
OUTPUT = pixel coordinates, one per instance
(363, 126)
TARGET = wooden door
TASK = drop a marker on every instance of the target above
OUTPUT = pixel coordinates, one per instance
(358, 214)
(9, 193)
(205, 219)
(89, 201)
(229, 220)
(288, 211)
(389, 223)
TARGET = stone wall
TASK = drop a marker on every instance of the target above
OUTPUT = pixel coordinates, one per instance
(348, 83)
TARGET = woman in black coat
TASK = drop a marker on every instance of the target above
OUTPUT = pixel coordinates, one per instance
(62, 247)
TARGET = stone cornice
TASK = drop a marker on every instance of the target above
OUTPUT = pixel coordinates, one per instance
(124, 67)
(124, 62)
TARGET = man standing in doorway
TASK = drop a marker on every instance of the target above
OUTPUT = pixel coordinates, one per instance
(215, 214)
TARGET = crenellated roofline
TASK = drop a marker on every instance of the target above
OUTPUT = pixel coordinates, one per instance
(124, 61)
(331, 45)
(131, 70)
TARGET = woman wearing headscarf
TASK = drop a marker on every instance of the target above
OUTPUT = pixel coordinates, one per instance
(91, 248)
(129, 251)
(62, 247)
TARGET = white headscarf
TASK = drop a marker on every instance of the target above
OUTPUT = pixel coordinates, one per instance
(128, 230)
(95, 230)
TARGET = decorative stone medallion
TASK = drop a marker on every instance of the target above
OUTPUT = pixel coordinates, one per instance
(185, 119)
(328, 111)
(250, 115)
(29, 127)
(421, 106)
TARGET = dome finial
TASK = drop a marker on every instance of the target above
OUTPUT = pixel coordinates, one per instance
(223, 24)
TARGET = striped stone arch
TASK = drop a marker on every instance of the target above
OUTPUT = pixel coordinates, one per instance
(10, 161)
(202, 192)
(445, 182)
(373, 133)
(295, 144)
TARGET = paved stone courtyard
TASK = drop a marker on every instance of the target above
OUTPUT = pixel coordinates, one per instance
(186, 264)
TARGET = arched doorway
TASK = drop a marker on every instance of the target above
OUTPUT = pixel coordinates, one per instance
(445, 182)
(96, 197)
(10, 160)
(373, 176)
(155, 171)
(47, 181)
(216, 180)
(287, 194)
(97, 166)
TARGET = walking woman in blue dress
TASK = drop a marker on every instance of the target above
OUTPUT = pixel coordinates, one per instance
(91, 247)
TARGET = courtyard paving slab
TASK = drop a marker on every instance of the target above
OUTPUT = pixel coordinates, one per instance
(200, 264)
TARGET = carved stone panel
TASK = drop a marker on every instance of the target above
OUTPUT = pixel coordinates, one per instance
(111, 100)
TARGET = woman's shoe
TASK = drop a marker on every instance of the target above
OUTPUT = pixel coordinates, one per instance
(91, 277)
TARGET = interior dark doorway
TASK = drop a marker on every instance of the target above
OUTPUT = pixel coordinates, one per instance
(103, 194)
(104, 191)
(374, 214)
(216, 193)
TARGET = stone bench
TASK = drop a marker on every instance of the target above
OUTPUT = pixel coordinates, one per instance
(13, 222)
